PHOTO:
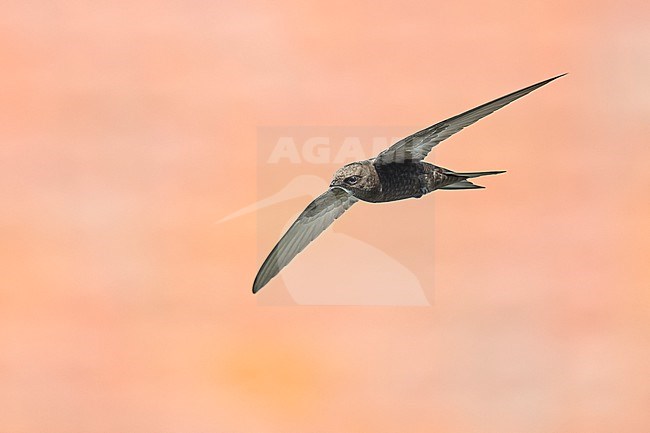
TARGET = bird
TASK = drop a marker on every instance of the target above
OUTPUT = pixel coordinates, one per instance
(396, 173)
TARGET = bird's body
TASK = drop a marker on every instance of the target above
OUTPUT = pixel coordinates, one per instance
(397, 173)
(409, 179)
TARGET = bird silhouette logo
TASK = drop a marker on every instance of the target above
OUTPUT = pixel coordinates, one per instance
(401, 287)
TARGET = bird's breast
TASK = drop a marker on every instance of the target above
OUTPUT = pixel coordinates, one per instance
(399, 181)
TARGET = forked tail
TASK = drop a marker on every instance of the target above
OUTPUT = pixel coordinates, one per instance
(466, 184)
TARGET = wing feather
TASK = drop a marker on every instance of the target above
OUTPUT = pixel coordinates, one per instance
(316, 217)
(417, 146)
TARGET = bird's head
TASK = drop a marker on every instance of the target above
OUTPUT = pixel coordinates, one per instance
(357, 176)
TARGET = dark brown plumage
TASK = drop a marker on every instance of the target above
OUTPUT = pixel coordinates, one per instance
(396, 173)
(397, 181)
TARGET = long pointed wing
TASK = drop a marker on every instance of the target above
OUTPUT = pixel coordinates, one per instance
(318, 215)
(417, 146)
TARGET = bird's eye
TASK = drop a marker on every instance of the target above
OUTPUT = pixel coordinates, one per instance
(352, 180)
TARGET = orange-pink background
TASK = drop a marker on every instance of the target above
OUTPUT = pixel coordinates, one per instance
(128, 128)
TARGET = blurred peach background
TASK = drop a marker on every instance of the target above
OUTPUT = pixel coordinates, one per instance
(129, 128)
